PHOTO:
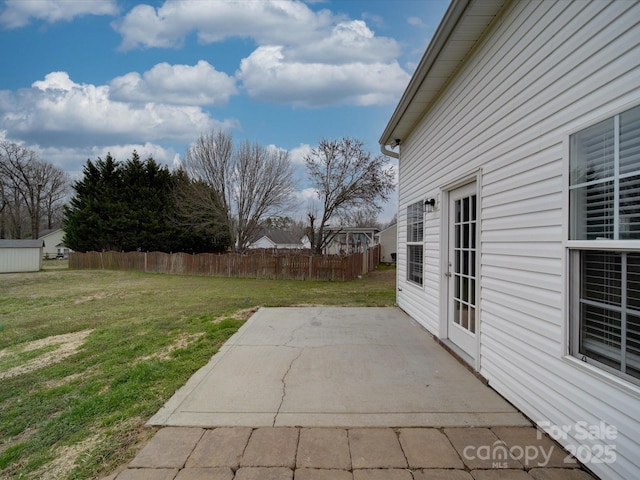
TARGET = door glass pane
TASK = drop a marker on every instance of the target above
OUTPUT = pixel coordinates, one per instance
(464, 321)
(465, 263)
(472, 291)
(472, 319)
(464, 282)
(457, 314)
(473, 208)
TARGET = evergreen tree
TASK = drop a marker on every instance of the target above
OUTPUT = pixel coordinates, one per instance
(89, 221)
(131, 206)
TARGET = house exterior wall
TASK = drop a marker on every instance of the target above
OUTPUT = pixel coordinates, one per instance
(262, 242)
(15, 260)
(51, 241)
(545, 70)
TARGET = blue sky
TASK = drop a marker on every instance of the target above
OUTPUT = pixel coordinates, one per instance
(81, 78)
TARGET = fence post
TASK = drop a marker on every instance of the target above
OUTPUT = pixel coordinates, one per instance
(101, 261)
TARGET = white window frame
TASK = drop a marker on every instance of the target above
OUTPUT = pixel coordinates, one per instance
(415, 241)
(576, 249)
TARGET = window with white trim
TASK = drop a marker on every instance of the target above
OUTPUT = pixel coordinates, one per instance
(604, 196)
(415, 247)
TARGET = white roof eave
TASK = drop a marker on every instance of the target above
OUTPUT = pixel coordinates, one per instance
(462, 26)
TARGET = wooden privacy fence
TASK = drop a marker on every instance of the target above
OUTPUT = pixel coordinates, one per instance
(262, 264)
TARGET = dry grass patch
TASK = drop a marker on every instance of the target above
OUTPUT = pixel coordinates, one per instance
(67, 344)
(181, 342)
(66, 458)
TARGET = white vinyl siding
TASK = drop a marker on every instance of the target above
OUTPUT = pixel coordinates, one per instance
(545, 70)
(14, 260)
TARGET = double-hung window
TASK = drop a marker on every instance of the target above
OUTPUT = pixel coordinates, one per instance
(415, 247)
(604, 244)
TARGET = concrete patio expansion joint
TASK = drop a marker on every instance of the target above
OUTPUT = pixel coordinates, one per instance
(284, 384)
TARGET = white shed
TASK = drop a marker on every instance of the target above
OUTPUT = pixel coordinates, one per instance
(388, 240)
(519, 216)
(20, 256)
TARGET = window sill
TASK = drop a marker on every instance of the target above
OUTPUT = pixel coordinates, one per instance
(602, 375)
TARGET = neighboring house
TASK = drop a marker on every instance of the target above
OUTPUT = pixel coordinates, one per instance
(20, 256)
(388, 240)
(519, 217)
(306, 243)
(347, 240)
(280, 239)
(54, 246)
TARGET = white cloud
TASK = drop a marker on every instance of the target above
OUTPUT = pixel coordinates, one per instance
(57, 111)
(348, 42)
(73, 159)
(268, 75)
(201, 84)
(308, 194)
(415, 21)
(18, 13)
(266, 21)
(306, 200)
(299, 153)
(304, 58)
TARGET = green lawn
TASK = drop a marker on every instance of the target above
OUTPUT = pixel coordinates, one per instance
(86, 357)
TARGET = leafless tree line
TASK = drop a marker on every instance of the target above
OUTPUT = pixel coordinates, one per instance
(31, 192)
(242, 187)
(236, 187)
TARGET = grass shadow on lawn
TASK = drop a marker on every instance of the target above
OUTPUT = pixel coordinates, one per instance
(129, 341)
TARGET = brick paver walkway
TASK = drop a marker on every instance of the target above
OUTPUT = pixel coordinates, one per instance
(288, 453)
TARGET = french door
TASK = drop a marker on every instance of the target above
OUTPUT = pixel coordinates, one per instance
(462, 322)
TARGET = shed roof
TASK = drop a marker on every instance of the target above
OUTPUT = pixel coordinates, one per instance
(21, 243)
(463, 25)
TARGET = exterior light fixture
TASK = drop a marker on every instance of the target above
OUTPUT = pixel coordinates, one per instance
(429, 205)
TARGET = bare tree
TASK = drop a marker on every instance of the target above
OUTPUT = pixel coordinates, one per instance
(29, 186)
(360, 218)
(348, 180)
(243, 186)
(54, 195)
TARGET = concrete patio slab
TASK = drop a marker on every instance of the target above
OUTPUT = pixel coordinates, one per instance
(335, 367)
